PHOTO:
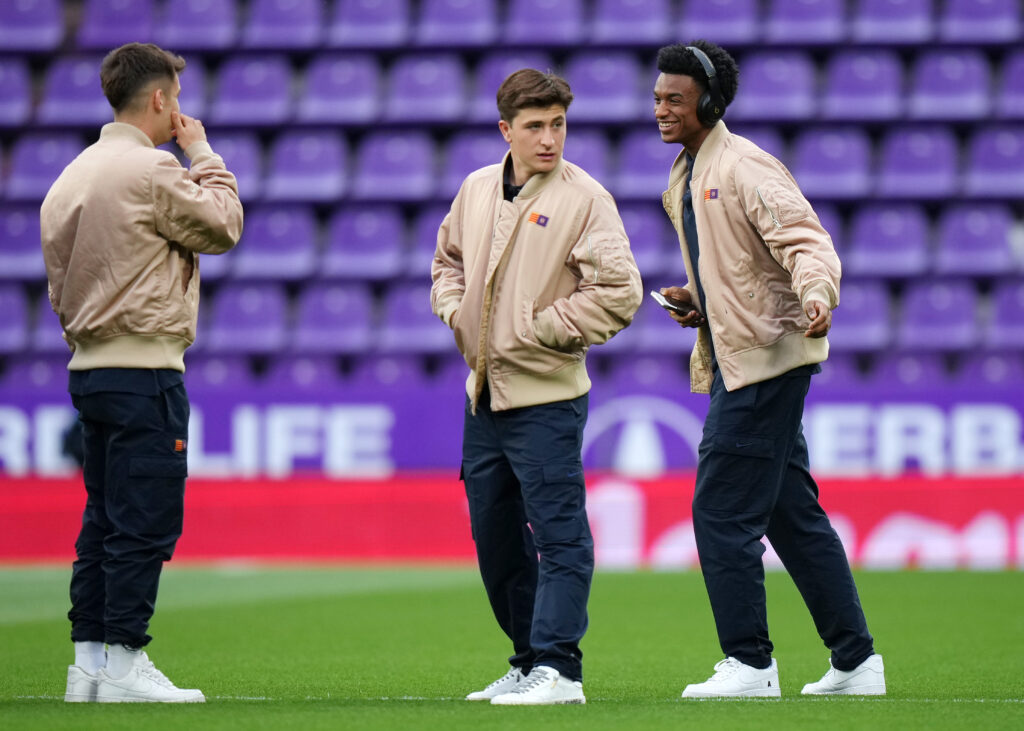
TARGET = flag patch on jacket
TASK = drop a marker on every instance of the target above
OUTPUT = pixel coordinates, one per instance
(538, 219)
(711, 194)
(180, 445)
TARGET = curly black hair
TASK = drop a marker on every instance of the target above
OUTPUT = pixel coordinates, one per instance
(675, 59)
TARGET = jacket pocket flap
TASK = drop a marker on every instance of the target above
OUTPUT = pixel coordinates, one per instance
(743, 446)
(158, 467)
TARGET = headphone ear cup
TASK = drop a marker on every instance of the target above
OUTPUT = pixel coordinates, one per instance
(705, 113)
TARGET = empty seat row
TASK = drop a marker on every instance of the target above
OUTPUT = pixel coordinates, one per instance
(39, 25)
(610, 87)
(844, 163)
(947, 315)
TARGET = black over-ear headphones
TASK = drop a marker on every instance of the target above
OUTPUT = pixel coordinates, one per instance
(711, 105)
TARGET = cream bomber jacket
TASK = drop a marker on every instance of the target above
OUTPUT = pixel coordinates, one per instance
(763, 256)
(529, 285)
(122, 228)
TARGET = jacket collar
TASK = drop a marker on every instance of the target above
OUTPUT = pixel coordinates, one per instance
(708, 149)
(125, 131)
(538, 182)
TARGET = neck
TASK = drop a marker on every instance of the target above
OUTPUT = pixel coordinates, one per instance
(145, 124)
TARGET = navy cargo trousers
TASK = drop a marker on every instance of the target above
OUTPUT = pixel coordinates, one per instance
(135, 431)
(524, 482)
(753, 480)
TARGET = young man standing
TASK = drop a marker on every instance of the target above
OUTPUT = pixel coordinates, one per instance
(122, 228)
(532, 267)
(763, 280)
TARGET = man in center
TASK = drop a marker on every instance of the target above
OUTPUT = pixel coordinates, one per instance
(532, 267)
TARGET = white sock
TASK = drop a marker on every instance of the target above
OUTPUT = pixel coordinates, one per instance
(90, 656)
(120, 660)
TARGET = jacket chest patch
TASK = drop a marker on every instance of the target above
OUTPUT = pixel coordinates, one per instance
(711, 194)
(538, 219)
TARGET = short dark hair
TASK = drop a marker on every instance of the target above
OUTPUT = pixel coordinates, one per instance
(129, 69)
(531, 88)
(676, 59)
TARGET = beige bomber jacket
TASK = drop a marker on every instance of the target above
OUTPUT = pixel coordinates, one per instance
(763, 256)
(529, 285)
(122, 228)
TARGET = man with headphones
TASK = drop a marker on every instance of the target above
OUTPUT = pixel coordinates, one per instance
(763, 278)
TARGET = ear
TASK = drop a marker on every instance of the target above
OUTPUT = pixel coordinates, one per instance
(158, 100)
(506, 130)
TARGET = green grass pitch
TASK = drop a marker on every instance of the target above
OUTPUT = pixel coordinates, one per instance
(398, 648)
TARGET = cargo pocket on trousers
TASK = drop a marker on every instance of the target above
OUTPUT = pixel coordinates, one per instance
(733, 471)
(158, 491)
(560, 507)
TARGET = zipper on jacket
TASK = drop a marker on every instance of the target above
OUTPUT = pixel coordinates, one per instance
(769, 208)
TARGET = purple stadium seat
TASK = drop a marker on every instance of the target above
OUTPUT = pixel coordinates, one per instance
(279, 243)
(213, 374)
(108, 24)
(243, 156)
(656, 332)
(249, 318)
(652, 240)
(918, 162)
(341, 89)
(36, 160)
(31, 25)
(374, 373)
(999, 369)
(1010, 97)
(395, 166)
(452, 373)
(409, 325)
(364, 242)
(728, 22)
(777, 85)
(544, 22)
(307, 166)
(765, 136)
(20, 255)
(975, 240)
(252, 91)
(290, 374)
(491, 71)
(952, 84)
(1005, 326)
(636, 22)
(15, 92)
(192, 99)
(14, 324)
(427, 88)
(805, 22)
(469, 151)
(332, 318)
(863, 320)
(197, 25)
(887, 239)
(981, 21)
(832, 162)
(37, 374)
(424, 240)
(832, 222)
(605, 87)
(72, 94)
(892, 21)
(284, 24)
(863, 86)
(938, 316)
(46, 334)
(588, 148)
(644, 162)
(369, 24)
(450, 23)
(646, 373)
(904, 372)
(995, 162)
(838, 373)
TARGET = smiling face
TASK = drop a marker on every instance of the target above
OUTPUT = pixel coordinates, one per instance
(535, 137)
(675, 109)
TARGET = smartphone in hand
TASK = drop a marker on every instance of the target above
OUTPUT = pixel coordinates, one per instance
(670, 303)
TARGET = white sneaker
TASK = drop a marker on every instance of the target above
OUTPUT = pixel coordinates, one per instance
(733, 679)
(868, 678)
(505, 684)
(143, 684)
(81, 687)
(544, 686)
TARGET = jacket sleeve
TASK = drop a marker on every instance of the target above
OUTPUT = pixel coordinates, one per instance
(790, 228)
(446, 271)
(199, 208)
(609, 290)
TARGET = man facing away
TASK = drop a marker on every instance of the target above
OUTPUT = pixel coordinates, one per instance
(763, 278)
(122, 228)
(532, 267)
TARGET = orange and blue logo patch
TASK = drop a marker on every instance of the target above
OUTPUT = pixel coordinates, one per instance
(538, 219)
(711, 194)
